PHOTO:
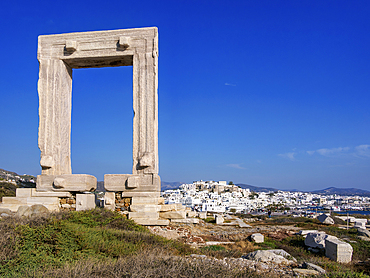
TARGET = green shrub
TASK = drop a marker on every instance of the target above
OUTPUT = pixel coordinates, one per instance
(210, 220)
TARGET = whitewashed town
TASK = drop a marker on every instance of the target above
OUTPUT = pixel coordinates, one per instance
(221, 196)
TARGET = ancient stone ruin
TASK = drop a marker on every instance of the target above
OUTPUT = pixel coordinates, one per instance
(138, 194)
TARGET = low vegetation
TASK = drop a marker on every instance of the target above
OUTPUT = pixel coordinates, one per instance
(7, 189)
(101, 243)
(97, 243)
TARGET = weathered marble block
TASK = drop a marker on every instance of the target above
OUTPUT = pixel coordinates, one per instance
(66, 183)
(178, 214)
(85, 201)
(338, 250)
(202, 214)
(257, 238)
(219, 219)
(109, 200)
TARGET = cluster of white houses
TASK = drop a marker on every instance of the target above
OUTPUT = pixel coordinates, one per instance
(221, 197)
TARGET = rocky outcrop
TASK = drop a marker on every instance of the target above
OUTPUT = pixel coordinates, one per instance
(266, 256)
(33, 211)
(307, 265)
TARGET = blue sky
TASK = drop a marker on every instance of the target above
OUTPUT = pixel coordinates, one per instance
(268, 93)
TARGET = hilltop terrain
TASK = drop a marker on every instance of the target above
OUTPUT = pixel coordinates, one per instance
(327, 191)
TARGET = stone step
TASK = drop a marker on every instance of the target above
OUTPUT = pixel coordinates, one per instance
(152, 222)
(145, 208)
(15, 200)
(144, 201)
(135, 194)
(170, 207)
(179, 214)
(30, 200)
(59, 194)
(148, 215)
(186, 221)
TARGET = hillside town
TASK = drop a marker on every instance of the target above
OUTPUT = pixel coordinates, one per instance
(220, 197)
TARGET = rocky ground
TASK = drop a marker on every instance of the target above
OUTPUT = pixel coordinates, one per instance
(235, 238)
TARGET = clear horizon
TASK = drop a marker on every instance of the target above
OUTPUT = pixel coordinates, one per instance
(271, 94)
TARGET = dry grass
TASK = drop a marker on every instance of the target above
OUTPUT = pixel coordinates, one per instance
(147, 263)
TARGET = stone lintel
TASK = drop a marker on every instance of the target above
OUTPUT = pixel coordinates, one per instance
(66, 183)
(132, 183)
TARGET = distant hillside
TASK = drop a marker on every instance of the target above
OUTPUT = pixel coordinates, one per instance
(256, 188)
(170, 185)
(18, 180)
(10, 181)
(342, 191)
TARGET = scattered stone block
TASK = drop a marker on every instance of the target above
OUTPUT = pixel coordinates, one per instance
(219, 219)
(257, 238)
(191, 213)
(364, 238)
(360, 223)
(242, 224)
(346, 218)
(305, 232)
(317, 239)
(363, 232)
(338, 250)
(325, 219)
(85, 201)
(202, 214)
